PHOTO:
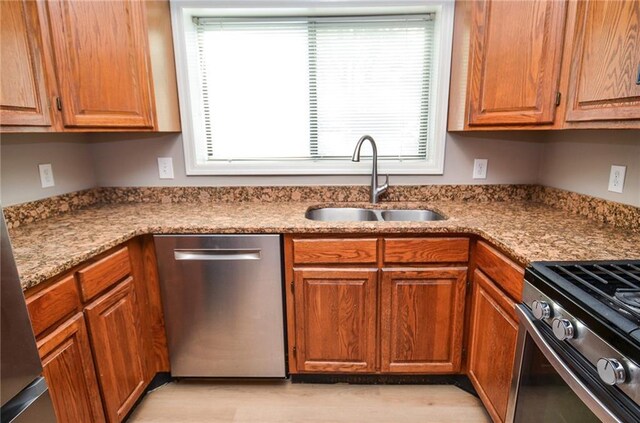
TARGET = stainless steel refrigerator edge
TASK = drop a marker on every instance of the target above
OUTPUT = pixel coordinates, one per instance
(223, 303)
(24, 393)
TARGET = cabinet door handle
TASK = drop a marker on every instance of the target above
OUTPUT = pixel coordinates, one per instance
(638, 80)
(213, 255)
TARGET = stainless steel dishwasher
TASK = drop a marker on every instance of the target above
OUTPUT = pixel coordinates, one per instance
(223, 304)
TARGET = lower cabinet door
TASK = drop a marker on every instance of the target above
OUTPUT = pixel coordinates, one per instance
(68, 368)
(494, 333)
(114, 326)
(422, 312)
(335, 312)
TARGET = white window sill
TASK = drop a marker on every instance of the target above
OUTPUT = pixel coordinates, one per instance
(318, 168)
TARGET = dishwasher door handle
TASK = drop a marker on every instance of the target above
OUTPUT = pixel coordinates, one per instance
(217, 254)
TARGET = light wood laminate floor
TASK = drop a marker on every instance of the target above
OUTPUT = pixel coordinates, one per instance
(284, 402)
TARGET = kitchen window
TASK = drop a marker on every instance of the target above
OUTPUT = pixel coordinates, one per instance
(289, 90)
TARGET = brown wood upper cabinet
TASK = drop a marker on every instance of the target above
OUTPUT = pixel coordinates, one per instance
(102, 63)
(545, 64)
(516, 50)
(23, 88)
(87, 66)
(605, 62)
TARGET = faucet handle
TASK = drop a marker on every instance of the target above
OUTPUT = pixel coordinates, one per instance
(382, 188)
(386, 182)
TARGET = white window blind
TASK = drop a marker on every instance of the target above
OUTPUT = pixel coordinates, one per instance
(308, 88)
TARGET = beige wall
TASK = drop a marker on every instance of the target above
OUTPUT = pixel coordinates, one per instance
(20, 154)
(580, 161)
(133, 162)
(572, 160)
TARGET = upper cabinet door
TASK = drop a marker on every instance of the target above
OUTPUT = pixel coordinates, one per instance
(516, 53)
(102, 61)
(605, 63)
(23, 93)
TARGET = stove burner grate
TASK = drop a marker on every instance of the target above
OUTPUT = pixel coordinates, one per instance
(617, 285)
(630, 297)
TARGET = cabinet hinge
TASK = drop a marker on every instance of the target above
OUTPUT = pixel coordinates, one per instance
(58, 103)
(558, 97)
(295, 351)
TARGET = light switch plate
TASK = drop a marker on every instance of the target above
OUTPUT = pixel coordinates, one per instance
(46, 175)
(480, 168)
(616, 178)
(165, 167)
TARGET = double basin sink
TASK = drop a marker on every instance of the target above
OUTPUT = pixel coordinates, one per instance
(352, 214)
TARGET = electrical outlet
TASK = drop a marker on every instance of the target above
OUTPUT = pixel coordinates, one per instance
(616, 178)
(46, 175)
(165, 167)
(480, 168)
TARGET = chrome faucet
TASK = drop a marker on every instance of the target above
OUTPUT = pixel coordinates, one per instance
(376, 191)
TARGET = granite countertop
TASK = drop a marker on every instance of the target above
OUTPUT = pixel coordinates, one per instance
(528, 231)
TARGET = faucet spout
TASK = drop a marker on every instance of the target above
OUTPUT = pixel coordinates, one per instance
(376, 191)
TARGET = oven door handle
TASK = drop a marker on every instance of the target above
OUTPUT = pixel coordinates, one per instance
(574, 382)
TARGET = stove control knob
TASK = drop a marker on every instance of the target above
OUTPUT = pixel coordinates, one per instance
(541, 309)
(611, 371)
(562, 329)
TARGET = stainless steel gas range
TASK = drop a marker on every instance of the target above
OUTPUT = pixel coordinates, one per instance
(578, 357)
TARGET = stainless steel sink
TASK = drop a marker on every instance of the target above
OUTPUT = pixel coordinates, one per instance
(342, 214)
(411, 215)
(352, 214)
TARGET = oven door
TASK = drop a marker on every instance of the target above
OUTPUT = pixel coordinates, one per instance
(552, 385)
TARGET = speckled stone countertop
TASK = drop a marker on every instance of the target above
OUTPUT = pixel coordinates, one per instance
(528, 231)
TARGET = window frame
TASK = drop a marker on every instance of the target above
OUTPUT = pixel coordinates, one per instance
(181, 14)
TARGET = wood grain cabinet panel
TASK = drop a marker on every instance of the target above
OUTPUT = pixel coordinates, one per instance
(106, 272)
(516, 53)
(53, 304)
(506, 274)
(605, 62)
(335, 251)
(23, 89)
(68, 368)
(102, 61)
(114, 325)
(494, 332)
(335, 312)
(426, 250)
(123, 340)
(422, 312)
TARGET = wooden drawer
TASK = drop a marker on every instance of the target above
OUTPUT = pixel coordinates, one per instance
(53, 304)
(335, 251)
(426, 250)
(505, 273)
(104, 273)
